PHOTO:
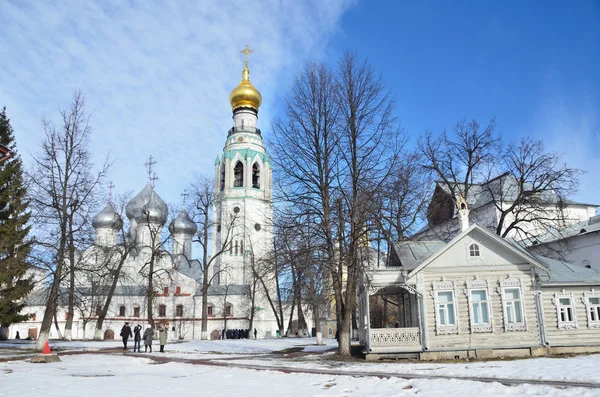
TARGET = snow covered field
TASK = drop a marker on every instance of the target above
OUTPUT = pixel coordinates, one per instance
(118, 374)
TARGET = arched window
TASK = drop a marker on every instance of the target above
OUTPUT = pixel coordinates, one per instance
(228, 310)
(241, 247)
(179, 311)
(223, 176)
(473, 250)
(236, 247)
(256, 176)
(238, 175)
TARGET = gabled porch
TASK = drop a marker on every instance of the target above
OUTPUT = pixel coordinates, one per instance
(390, 314)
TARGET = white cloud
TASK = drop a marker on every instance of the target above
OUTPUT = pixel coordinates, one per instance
(157, 75)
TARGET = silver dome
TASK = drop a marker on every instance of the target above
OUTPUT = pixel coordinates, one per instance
(183, 224)
(107, 218)
(146, 207)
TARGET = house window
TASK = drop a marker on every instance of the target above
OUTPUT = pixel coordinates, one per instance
(166, 290)
(256, 176)
(238, 175)
(177, 290)
(445, 309)
(480, 307)
(473, 250)
(228, 310)
(162, 310)
(513, 308)
(136, 311)
(122, 311)
(179, 311)
(565, 309)
(66, 315)
(209, 311)
(32, 317)
(592, 306)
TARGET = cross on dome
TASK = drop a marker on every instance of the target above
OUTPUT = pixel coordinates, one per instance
(153, 179)
(246, 51)
(185, 194)
(149, 165)
(111, 186)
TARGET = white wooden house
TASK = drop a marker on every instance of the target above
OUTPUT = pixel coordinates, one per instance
(478, 295)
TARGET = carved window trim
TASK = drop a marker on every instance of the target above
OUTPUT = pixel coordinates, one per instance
(475, 258)
(510, 283)
(563, 294)
(445, 286)
(479, 285)
(589, 306)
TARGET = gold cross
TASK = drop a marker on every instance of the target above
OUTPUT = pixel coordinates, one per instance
(246, 51)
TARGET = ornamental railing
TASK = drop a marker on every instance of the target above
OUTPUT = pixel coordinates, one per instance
(244, 129)
(388, 337)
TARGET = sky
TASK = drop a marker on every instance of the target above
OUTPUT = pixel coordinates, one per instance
(157, 75)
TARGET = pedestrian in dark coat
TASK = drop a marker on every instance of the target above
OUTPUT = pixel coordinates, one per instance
(137, 337)
(125, 334)
(148, 334)
(255, 333)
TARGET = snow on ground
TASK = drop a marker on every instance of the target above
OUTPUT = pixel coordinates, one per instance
(121, 374)
(99, 375)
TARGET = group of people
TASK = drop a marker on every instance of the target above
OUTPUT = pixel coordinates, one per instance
(147, 336)
(236, 334)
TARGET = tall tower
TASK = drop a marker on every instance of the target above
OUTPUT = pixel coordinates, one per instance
(243, 206)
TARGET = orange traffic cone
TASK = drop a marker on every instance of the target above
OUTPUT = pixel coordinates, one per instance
(46, 349)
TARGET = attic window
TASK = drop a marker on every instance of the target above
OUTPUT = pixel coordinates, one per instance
(473, 250)
(583, 231)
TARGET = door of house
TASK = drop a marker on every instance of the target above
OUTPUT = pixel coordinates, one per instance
(32, 333)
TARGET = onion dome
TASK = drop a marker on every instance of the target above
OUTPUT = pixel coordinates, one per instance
(183, 224)
(107, 219)
(146, 207)
(245, 95)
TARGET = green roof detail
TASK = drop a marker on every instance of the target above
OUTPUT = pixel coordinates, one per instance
(218, 160)
(230, 154)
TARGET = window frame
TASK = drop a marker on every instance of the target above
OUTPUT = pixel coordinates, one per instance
(179, 310)
(479, 285)
(513, 283)
(228, 310)
(588, 306)
(136, 310)
(162, 308)
(122, 310)
(445, 286)
(210, 310)
(562, 308)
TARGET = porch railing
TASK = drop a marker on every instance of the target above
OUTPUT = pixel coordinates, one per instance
(390, 337)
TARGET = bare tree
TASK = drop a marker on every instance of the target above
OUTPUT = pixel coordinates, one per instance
(62, 188)
(202, 211)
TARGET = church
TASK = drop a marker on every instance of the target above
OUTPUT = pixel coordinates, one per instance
(242, 234)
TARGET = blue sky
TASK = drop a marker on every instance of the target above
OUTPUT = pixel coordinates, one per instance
(157, 77)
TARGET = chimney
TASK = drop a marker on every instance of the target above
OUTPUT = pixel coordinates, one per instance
(463, 214)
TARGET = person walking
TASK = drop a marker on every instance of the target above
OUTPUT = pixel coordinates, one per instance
(137, 338)
(162, 336)
(125, 334)
(148, 334)
(254, 333)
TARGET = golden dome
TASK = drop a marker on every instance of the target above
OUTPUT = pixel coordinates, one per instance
(245, 95)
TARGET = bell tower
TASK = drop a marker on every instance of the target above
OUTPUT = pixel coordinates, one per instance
(243, 196)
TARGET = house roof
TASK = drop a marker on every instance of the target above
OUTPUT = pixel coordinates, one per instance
(506, 243)
(412, 253)
(560, 272)
(588, 226)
